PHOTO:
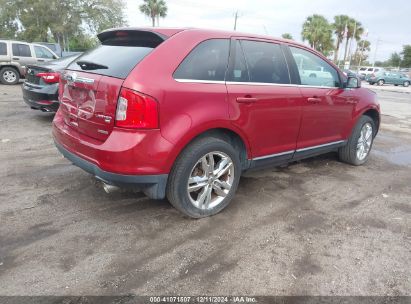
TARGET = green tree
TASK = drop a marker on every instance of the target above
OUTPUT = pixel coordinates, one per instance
(406, 56)
(395, 59)
(287, 36)
(339, 25)
(361, 53)
(60, 21)
(354, 31)
(154, 9)
(8, 22)
(318, 32)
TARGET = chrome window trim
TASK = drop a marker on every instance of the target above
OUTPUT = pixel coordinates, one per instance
(298, 150)
(251, 83)
(200, 81)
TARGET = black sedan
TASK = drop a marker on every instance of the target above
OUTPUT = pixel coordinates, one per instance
(40, 90)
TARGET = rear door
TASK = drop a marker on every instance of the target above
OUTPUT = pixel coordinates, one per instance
(91, 84)
(43, 54)
(22, 54)
(327, 107)
(262, 102)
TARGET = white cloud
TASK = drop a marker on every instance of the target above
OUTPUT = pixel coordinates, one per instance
(385, 20)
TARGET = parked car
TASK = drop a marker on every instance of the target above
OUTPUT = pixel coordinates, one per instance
(181, 113)
(40, 89)
(55, 47)
(365, 72)
(389, 78)
(16, 55)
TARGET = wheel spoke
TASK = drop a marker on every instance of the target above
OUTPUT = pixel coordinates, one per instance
(218, 190)
(223, 184)
(208, 197)
(210, 163)
(202, 196)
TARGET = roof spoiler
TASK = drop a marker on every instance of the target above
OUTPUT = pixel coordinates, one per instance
(133, 37)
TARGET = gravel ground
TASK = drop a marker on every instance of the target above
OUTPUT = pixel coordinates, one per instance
(316, 227)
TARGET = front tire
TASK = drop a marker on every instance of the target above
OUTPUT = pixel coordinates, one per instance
(381, 82)
(9, 75)
(358, 147)
(406, 83)
(204, 178)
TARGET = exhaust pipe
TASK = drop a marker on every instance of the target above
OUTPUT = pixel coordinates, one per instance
(110, 188)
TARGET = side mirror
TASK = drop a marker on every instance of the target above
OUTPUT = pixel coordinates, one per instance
(353, 83)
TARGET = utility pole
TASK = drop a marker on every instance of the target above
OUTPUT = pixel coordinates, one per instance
(235, 20)
(375, 52)
(361, 53)
(349, 50)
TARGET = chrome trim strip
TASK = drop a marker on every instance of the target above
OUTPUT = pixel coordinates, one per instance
(200, 81)
(84, 80)
(274, 155)
(320, 146)
(252, 83)
(298, 150)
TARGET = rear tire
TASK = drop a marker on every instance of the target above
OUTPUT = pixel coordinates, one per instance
(406, 83)
(358, 147)
(195, 186)
(380, 82)
(9, 75)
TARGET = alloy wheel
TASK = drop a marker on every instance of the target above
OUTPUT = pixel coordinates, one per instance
(364, 141)
(210, 180)
(9, 76)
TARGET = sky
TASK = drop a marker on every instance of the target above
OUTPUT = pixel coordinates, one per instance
(388, 22)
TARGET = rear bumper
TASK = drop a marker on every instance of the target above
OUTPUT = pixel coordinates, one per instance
(41, 98)
(154, 186)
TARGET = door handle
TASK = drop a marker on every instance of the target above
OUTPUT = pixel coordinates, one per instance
(40, 60)
(15, 58)
(314, 100)
(246, 99)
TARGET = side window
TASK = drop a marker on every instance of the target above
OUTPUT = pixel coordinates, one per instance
(239, 73)
(42, 52)
(207, 61)
(3, 48)
(313, 70)
(21, 50)
(266, 62)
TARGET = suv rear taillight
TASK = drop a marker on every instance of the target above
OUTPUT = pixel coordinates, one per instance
(136, 110)
(372, 75)
(49, 77)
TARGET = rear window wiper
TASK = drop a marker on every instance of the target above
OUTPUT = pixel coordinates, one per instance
(88, 65)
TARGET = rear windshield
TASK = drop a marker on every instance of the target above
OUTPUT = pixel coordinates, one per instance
(111, 60)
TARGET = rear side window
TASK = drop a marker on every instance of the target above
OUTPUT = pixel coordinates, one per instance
(262, 62)
(42, 52)
(3, 48)
(313, 70)
(207, 61)
(21, 50)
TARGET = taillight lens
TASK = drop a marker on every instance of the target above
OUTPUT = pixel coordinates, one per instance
(372, 75)
(49, 77)
(136, 110)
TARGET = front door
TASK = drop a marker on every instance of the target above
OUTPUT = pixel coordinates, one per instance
(261, 100)
(327, 107)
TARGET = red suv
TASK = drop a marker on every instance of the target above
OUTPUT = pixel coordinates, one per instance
(181, 113)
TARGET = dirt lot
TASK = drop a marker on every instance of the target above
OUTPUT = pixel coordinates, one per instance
(317, 227)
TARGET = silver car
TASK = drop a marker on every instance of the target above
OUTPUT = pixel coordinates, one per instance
(16, 55)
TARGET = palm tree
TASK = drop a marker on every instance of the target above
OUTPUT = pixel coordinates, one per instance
(154, 9)
(339, 24)
(318, 32)
(354, 31)
(287, 36)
